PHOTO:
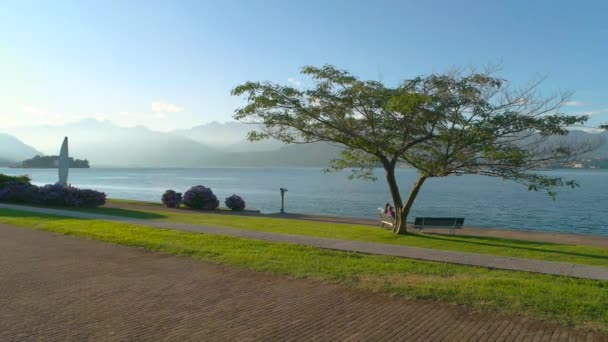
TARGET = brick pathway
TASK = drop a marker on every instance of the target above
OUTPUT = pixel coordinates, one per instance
(471, 259)
(56, 287)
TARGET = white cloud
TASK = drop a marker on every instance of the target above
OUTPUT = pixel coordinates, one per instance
(28, 109)
(593, 112)
(576, 103)
(294, 81)
(46, 123)
(165, 107)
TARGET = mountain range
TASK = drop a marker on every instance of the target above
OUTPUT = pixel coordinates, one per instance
(214, 144)
(13, 150)
(228, 137)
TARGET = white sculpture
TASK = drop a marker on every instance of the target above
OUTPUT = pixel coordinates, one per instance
(64, 163)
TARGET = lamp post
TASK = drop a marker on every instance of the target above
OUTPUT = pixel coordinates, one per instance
(283, 191)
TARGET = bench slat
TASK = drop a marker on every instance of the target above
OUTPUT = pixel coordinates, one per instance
(439, 222)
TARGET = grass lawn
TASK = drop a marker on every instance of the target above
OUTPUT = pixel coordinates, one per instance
(160, 205)
(567, 300)
(485, 245)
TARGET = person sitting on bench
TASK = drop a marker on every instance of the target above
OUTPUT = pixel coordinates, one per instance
(386, 207)
(391, 211)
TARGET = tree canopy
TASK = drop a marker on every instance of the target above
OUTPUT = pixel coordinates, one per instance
(443, 124)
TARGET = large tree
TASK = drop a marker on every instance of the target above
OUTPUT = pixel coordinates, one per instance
(484, 127)
(440, 124)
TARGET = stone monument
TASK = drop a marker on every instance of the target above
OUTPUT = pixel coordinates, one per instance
(64, 163)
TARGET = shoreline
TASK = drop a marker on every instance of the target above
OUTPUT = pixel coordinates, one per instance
(467, 231)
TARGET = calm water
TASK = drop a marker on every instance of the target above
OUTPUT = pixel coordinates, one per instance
(483, 201)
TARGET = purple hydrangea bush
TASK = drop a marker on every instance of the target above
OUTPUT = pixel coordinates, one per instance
(171, 199)
(84, 198)
(200, 197)
(235, 202)
(51, 195)
(19, 192)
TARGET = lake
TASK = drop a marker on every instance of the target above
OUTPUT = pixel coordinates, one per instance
(483, 201)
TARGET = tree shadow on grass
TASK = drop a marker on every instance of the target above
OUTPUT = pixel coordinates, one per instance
(128, 213)
(28, 214)
(462, 239)
(442, 236)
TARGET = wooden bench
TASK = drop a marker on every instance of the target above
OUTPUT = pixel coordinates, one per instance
(386, 219)
(451, 223)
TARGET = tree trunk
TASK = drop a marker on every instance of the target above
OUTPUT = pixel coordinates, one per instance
(410, 200)
(400, 223)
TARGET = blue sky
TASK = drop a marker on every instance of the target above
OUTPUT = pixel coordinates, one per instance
(171, 64)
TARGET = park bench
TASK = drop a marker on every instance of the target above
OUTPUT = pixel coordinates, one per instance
(386, 219)
(451, 223)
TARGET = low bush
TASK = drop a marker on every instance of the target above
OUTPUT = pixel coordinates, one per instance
(200, 197)
(53, 195)
(235, 202)
(19, 192)
(22, 192)
(84, 198)
(171, 199)
(5, 179)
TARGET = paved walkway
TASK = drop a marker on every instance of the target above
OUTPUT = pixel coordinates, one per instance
(472, 259)
(62, 288)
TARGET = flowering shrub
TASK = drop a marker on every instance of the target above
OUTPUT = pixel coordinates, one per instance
(83, 198)
(171, 199)
(235, 202)
(200, 197)
(54, 195)
(19, 192)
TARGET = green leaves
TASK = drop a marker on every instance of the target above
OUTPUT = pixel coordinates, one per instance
(442, 124)
(360, 164)
(360, 115)
(403, 101)
(538, 182)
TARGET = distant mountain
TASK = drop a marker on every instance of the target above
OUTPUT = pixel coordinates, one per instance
(216, 134)
(105, 144)
(597, 138)
(210, 145)
(13, 150)
(302, 155)
(597, 141)
(228, 137)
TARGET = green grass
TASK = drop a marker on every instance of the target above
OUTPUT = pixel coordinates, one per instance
(156, 204)
(566, 300)
(134, 202)
(586, 255)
